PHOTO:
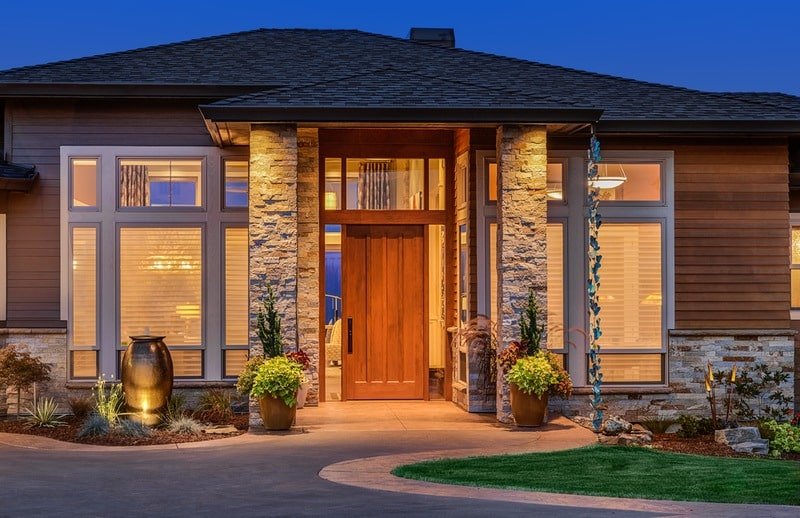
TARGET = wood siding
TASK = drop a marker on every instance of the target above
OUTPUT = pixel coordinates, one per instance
(37, 130)
(731, 237)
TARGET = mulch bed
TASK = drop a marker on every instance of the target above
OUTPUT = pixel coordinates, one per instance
(69, 433)
(703, 445)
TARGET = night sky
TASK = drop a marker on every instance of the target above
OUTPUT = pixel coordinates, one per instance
(706, 44)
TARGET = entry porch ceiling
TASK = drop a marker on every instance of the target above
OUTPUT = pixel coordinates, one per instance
(227, 134)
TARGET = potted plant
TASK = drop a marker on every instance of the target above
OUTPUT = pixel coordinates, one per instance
(275, 385)
(302, 359)
(533, 373)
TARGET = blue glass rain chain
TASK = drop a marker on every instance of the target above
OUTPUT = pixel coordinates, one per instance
(593, 282)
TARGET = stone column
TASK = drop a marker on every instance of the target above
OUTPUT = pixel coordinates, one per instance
(308, 253)
(273, 229)
(521, 235)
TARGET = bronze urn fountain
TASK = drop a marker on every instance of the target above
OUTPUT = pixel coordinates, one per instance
(147, 377)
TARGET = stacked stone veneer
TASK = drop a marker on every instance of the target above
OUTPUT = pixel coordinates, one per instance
(689, 353)
(521, 234)
(273, 230)
(50, 345)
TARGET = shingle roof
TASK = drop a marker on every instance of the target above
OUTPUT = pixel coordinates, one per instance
(351, 67)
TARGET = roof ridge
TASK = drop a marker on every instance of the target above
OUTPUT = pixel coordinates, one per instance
(163, 46)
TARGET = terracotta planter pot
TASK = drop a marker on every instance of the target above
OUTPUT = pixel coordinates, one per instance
(302, 394)
(276, 414)
(146, 373)
(528, 409)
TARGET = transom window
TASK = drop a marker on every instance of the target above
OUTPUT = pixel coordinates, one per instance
(384, 184)
(160, 183)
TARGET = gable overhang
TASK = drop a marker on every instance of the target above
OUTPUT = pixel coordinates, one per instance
(399, 114)
(700, 126)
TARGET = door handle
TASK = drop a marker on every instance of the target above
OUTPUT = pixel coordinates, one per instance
(349, 335)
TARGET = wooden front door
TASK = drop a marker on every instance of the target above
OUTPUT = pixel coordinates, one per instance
(383, 298)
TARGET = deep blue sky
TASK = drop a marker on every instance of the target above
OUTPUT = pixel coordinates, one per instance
(705, 44)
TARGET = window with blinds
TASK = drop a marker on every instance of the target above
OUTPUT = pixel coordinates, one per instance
(555, 285)
(631, 288)
(160, 289)
(236, 287)
(83, 290)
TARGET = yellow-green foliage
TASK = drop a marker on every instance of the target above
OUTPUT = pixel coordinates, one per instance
(785, 438)
(278, 377)
(533, 374)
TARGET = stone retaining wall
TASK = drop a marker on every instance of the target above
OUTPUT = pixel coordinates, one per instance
(689, 353)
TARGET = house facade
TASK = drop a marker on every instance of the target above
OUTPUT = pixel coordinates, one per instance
(391, 191)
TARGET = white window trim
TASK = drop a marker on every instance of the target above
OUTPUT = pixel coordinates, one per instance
(572, 213)
(109, 219)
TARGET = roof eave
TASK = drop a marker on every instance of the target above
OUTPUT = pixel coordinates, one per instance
(399, 114)
(127, 91)
(684, 126)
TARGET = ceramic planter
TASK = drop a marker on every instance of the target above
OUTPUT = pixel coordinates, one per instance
(276, 414)
(528, 409)
(147, 375)
(302, 393)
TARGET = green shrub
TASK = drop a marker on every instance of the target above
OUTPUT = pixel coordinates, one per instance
(530, 330)
(215, 406)
(81, 407)
(278, 377)
(20, 370)
(245, 382)
(533, 374)
(785, 438)
(692, 427)
(133, 428)
(110, 403)
(94, 426)
(184, 425)
(44, 414)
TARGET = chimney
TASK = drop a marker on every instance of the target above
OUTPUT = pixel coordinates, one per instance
(445, 38)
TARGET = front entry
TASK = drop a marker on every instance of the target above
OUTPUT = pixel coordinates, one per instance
(383, 297)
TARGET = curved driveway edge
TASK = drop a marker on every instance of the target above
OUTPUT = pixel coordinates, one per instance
(37, 442)
(375, 473)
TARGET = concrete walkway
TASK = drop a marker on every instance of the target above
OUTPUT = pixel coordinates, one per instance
(335, 463)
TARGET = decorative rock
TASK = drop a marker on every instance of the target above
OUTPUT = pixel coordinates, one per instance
(629, 439)
(731, 436)
(586, 422)
(616, 425)
(220, 429)
(608, 440)
(639, 429)
(757, 447)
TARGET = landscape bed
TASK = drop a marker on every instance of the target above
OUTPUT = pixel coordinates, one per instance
(69, 433)
(627, 472)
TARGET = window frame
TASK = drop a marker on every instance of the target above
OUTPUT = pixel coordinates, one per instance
(98, 184)
(210, 216)
(224, 345)
(571, 211)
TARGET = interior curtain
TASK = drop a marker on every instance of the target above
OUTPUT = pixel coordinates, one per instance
(133, 181)
(373, 185)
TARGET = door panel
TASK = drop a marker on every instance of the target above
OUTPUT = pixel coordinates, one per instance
(383, 299)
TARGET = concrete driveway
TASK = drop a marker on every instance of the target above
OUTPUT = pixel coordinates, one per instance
(271, 475)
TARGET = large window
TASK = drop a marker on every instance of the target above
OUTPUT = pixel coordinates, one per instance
(795, 272)
(635, 290)
(138, 264)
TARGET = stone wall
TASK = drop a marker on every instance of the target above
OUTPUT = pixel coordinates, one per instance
(50, 345)
(521, 234)
(308, 331)
(689, 353)
(273, 230)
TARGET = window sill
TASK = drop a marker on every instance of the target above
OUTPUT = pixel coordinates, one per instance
(636, 390)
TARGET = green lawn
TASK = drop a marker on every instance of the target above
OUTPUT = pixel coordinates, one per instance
(623, 472)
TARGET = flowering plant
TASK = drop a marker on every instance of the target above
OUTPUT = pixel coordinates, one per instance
(300, 357)
(533, 374)
(510, 355)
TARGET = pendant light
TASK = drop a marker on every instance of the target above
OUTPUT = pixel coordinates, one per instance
(610, 176)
